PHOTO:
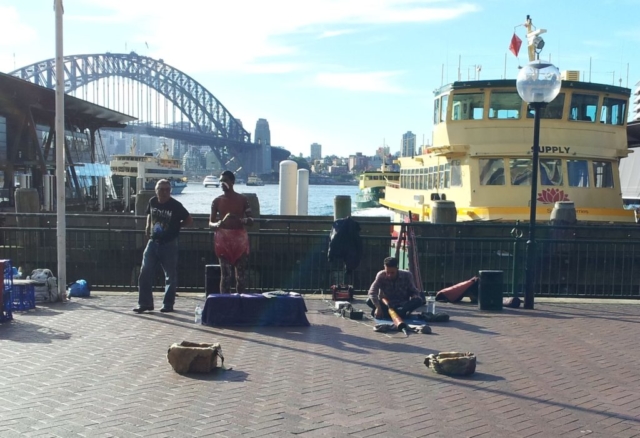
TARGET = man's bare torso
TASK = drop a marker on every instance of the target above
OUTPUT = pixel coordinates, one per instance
(231, 206)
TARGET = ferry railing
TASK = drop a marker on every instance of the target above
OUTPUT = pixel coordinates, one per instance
(291, 254)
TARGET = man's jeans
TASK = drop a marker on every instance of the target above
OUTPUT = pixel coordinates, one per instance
(403, 309)
(165, 254)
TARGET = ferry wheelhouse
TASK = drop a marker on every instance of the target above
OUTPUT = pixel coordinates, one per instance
(481, 157)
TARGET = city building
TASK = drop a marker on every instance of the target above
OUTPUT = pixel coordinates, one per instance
(338, 170)
(635, 113)
(383, 151)
(193, 160)
(408, 144)
(262, 137)
(316, 151)
(211, 162)
(357, 162)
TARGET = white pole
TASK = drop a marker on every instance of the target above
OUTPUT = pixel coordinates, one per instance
(60, 158)
(302, 202)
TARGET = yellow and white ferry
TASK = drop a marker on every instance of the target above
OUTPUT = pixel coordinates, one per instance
(372, 185)
(481, 157)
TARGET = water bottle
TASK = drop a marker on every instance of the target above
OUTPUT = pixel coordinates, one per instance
(198, 316)
(431, 304)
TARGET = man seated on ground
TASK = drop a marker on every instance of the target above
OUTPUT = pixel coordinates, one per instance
(397, 287)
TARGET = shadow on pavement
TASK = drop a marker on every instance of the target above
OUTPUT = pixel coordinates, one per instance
(26, 332)
(478, 377)
(219, 375)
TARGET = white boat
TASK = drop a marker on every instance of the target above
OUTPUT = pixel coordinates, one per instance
(481, 157)
(211, 181)
(254, 180)
(150, 167)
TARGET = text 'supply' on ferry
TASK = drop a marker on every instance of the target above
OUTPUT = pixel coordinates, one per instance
(481, 157)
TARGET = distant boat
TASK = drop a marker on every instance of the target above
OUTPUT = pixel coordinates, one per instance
(151, 168)
(372, 187)
(210, 180)
(254, 180)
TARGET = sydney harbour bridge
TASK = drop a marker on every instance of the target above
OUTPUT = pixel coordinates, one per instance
(165, 102)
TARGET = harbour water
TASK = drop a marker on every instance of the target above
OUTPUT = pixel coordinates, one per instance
(197, 199)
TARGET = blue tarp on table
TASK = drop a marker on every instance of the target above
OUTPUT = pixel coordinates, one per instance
(254, 310)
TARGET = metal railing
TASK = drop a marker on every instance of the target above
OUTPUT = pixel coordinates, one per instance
(291, 254)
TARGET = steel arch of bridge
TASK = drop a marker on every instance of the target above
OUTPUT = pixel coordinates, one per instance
(199, 106)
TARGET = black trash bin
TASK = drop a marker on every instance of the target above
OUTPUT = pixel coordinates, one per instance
(490, 290)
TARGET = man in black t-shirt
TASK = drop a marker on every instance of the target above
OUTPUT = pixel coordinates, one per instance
(165, 217)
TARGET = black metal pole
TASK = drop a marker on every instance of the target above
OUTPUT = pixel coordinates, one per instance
(531, 243)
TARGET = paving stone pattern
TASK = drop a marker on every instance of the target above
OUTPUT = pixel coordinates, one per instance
(93, 368)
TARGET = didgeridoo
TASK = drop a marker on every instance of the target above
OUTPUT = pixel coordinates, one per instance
(397, 321)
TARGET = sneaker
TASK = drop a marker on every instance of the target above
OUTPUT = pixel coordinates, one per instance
(166, 309)
(141, 309)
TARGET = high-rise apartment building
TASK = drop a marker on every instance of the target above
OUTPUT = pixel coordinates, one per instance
(316, 151)
(635, 100)
(262, 137)
(408, 144)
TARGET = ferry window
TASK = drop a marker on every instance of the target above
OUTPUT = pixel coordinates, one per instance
(520, 171)
(443, 108)
(430, 179)
(447, 176)
(613, 111)
(505, 105)
(553, 110)
(603, 174)
(468, 106)
(492, 171)
(456, 174)
(442, 181)
(551, 172)
(578, 173)
(436, 111)
(583, 107)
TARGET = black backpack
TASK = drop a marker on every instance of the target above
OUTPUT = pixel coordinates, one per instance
(345, 243)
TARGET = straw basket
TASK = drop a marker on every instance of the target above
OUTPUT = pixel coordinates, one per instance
(452, 363)
(193, 357)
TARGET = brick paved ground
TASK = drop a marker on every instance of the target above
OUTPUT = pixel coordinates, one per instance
(93, 368)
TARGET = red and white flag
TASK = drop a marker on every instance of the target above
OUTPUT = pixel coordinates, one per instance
(516, 42)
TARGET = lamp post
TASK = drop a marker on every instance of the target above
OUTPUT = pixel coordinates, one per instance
(538, 83)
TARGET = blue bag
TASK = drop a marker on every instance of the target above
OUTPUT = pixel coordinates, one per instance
(79, 289)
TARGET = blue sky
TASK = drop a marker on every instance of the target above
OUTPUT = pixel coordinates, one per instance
(348, 74)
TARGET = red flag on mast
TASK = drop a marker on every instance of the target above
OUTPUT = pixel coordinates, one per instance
(516, 42)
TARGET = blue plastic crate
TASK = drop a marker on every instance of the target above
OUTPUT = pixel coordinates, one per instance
(24, 295)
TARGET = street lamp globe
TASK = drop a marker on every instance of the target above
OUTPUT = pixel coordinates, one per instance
(538, 82)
